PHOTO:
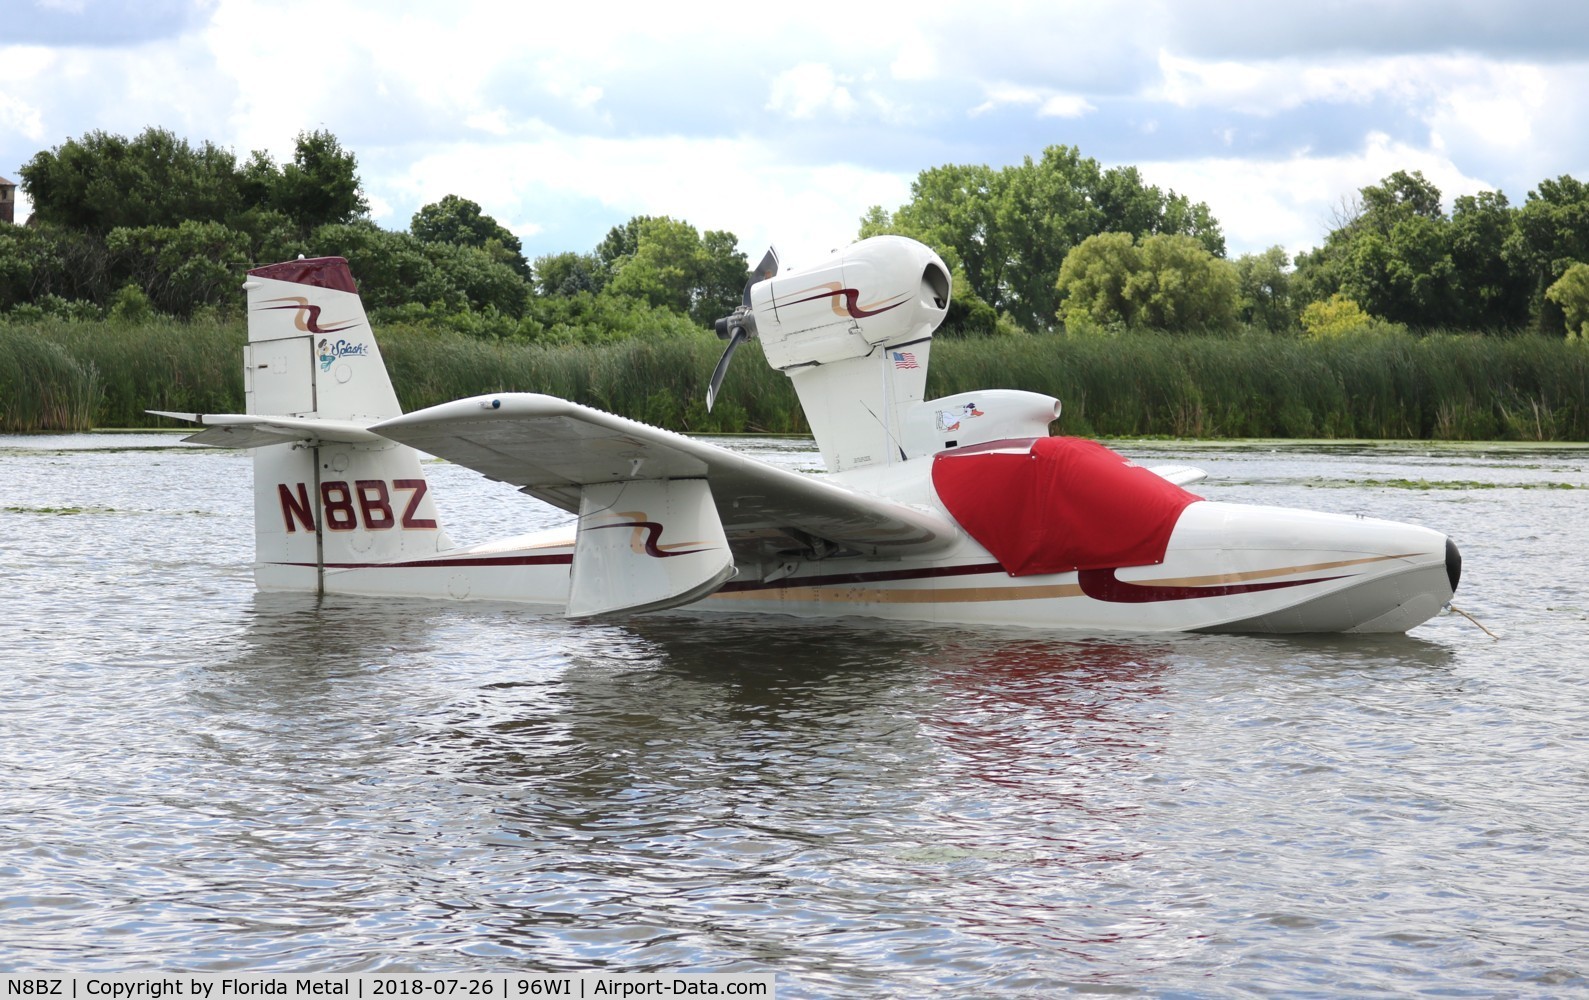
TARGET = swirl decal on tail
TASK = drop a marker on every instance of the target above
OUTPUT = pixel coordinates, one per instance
(307, 318)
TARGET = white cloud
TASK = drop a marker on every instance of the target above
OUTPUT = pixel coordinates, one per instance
(808, 90)
(1049, 103)
(19, 115)
(601, 111)
(915, 60)
(1290, 202)
(1065, 106)
(732, 184)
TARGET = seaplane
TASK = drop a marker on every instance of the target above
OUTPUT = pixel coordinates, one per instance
(961, 509)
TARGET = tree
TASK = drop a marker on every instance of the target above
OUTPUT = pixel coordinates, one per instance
(1007, 231)
(103, 181)
(1570, 293)
(1334, 317)
(321, 184)
(459, 220)
(180, 267)
(1552, 234)
(1263, 286)
(666, 263)
(1092, 282)
(1392, 257)
(569, 273)
(1491, 287)
(1166, 281)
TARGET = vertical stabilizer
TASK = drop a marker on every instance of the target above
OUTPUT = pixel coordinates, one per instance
(310, 349)
(327, 504)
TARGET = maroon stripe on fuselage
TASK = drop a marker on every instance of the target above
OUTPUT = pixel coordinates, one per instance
(881, 576)
(565, 560)
(1101, 585)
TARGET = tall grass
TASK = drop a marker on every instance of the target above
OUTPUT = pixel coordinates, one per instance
(1441, 386)
(58, 375)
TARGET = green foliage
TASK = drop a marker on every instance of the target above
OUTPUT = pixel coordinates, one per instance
(321, 185)
(1336, 316)
(1008, 231)
(1570, 293)
(569, 273)
(1492, 290)
(131, 306)
(1395, 385)
(183, 267)
(1164, 282)
(459, 220)
(1552, 234)
(1401, 258)
(396, 269)
(667, 264)
(103, 181)
(61, 375)
(1263, 285)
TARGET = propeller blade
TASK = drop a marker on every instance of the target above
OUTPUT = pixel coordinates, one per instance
(740, 336)
(766, 269)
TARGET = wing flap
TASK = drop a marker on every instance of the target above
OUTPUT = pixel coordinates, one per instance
(551, 449)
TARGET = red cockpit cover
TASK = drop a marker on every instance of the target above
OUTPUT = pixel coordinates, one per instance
(1061, 504)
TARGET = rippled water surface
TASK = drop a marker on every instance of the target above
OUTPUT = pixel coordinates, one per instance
(196, 777)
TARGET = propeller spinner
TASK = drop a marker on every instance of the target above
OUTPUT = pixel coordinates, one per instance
(739, 326)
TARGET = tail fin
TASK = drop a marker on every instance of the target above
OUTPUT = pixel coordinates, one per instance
(310, 349)
(329, 496)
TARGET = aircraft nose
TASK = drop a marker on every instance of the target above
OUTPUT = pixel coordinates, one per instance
(1453, 564)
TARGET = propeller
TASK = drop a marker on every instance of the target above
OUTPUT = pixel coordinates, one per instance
(739, 326)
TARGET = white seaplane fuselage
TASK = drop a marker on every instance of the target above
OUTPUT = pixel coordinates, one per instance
(1294, 571)
(342, 505)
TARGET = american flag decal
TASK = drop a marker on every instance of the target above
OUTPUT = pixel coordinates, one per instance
(904, 359)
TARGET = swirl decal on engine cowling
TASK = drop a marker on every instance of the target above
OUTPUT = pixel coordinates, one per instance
(846, 301)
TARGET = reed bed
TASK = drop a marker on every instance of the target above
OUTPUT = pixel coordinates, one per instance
(1445, 386)
(57, 375)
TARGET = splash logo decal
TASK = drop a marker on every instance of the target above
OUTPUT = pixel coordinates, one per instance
(329, 352)
(307, 317)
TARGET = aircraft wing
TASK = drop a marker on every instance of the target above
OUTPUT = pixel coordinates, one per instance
(552, 449)
(1180, 475)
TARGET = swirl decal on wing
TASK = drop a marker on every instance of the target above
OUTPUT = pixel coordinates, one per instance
(644, 541)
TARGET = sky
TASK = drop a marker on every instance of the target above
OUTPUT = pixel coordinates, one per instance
(784, 123)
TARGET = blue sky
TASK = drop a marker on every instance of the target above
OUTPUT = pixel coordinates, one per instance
(784, 125)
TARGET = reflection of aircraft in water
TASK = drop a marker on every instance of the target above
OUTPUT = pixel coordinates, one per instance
(958, 509)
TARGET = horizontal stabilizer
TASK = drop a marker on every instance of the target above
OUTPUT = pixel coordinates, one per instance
(646, 545)
(240, 430)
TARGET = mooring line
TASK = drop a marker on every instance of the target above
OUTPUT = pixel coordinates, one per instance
(1492, 635)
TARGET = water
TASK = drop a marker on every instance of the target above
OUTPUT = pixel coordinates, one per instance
(200, 778)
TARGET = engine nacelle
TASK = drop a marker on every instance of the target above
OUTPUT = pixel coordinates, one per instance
(884, 292)
(853, 334)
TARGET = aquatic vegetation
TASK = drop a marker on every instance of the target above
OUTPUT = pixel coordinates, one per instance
(62, 375)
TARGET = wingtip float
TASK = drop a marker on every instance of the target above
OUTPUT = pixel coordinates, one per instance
(958, 509)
